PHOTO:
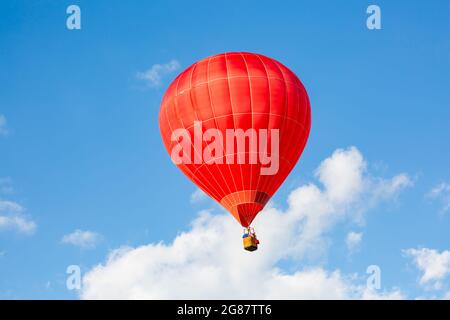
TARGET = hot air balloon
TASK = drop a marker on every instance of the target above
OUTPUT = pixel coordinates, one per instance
(236, 124)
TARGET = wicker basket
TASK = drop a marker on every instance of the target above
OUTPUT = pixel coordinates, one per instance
(250, 243)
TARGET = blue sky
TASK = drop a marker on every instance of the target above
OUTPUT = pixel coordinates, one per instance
(80, 145)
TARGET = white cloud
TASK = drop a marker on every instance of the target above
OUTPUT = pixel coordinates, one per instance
(3, 128)
(82, 239)
(441, 192)
(154, 75)
(345, 197)
(198, 196)
(342, 175)
(385, 189)
(12, 214)
(434, 265)
(12, 217)
(353, 240)
(208, 261)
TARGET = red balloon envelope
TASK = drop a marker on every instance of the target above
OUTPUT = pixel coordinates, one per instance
(236, 91)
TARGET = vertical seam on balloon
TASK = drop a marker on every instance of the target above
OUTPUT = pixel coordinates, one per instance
(270, 110)
(271, 182)
(182, 123)
(286, 109)
(170, 127)
(196, 116)
(179, 119)
(305, 128)
(235, 153)
(292, 133)
(307, 120)
(215, 122)
(304, 102)
(251, 108)
(234, 124)
(264, 181)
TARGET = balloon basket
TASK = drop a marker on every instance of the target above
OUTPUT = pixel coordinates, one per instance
(250, 244)
(249, 240)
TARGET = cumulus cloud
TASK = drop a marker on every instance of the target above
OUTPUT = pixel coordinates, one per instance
(82, 238)
(3, 128)
(441, 192)
(208, 261)
(12, 217)
(153, 76)
(349, 191)
(353, 240)
(434, 265)
(12, 214)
